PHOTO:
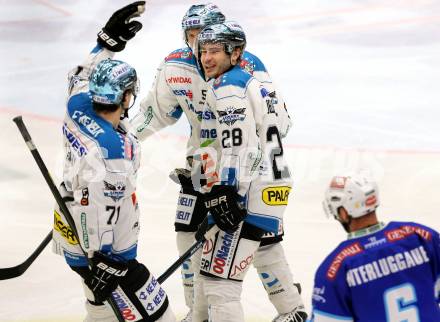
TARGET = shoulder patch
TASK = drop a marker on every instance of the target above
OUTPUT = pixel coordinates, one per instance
(406, 231)
(235, 77)
(182, 55)
(347, 251)
(251, 63)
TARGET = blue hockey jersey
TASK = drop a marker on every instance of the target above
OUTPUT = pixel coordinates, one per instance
(383, 273)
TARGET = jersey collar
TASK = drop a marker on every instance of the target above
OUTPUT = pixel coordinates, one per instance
(366, 231)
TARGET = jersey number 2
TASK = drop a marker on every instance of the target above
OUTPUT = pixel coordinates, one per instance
(271, 134)
(400, 304)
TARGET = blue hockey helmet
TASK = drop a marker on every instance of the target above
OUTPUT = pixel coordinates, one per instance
(229, 33)
(201, 15)
(109, 81)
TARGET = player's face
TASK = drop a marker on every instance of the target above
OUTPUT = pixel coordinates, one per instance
(215, 60)
(191, 36)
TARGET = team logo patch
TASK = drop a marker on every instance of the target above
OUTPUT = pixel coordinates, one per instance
(231, 115)
(247, 66)
(64, 229)
(116, 191)
(276, 196)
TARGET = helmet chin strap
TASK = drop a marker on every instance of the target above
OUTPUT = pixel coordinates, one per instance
(124, 113)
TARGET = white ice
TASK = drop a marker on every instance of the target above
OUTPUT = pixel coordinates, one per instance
(361, 81)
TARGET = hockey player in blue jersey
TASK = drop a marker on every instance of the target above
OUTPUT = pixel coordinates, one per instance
(101, 162)
(180, 88)
(382, 272)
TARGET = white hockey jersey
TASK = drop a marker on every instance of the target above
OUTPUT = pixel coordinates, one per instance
(248, 151)
(100, 169)
(179, 87)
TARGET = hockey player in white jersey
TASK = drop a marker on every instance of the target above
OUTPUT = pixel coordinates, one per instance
(250, 183)
(99, 188)
(180, 87)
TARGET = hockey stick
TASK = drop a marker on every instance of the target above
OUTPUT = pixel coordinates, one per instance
(30, 144)
(15, 271)
(195, 247)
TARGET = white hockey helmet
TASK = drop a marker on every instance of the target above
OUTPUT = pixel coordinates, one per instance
(357, 194)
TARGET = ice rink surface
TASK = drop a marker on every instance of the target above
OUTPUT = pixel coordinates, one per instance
(360, 79)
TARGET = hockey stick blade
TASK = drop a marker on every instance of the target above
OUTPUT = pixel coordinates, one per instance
(18, 270)
(195, 247)
(18, 120)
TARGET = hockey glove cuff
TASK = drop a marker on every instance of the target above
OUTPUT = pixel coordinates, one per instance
(222, 203)
(104, 276)
(299, 314)
(118, 30)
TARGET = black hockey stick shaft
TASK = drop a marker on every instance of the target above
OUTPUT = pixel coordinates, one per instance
(45, 172)
(194, 248)
(15, 271)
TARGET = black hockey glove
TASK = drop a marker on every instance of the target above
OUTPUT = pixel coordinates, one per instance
(222, 203)
(198, 212)
(104, 276)
(183, 177)
(118, 29)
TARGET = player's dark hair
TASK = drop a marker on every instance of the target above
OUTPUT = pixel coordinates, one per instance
(99, 107)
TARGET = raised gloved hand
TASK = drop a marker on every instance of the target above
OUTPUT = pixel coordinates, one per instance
(183, 177)
(222, 203)
(119, 29)
(104, 277)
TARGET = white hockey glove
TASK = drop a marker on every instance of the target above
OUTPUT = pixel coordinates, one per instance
(118, 29)
(222, 203)
(296, 315)
(104, 277)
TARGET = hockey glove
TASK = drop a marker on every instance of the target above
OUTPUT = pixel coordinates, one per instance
(190, 201)
(298, 314)
(222, 203)
(183, 177)
(118, 29)
(104, 276)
